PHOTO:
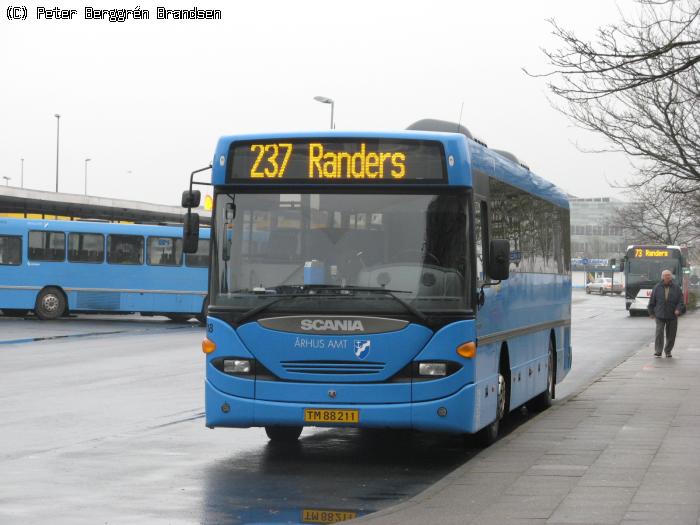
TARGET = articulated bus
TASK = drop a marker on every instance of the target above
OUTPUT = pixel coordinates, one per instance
(643, 264)
(58, 267)
(414, 280)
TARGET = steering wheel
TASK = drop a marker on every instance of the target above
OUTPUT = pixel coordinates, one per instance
(419, 256)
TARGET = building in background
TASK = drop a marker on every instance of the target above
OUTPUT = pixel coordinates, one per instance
(595, 240)
(593, 234)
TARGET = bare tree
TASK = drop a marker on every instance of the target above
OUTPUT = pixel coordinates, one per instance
(639, 86)
(658, 216)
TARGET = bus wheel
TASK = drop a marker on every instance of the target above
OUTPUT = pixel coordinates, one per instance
(489, 434)
(50, 304)
(283, 434)
(14, 312)
(544, 400)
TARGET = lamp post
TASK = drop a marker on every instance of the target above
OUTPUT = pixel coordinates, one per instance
(86, 161)
(326, 100)
(21, 172)
(7, 180)
(58, 127)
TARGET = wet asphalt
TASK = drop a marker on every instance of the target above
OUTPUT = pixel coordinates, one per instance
(104, 424)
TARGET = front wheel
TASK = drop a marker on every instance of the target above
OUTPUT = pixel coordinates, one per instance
(50, 304)
(489, 434)
(544, 400)
(283, 434)
(588, 291)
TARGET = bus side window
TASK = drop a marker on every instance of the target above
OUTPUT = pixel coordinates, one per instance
(480, 237)
(164, 251)
(125, 249)
(10, 250)
(200, 259)
(47, 246)
(86, 247)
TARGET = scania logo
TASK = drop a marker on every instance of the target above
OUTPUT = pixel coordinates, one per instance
(332, 325)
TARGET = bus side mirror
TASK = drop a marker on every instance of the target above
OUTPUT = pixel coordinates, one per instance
(622, 265)
(191, 198)
(499, 259)
(190, 233)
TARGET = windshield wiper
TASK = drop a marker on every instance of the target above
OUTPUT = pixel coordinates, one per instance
(313, 289)
(372, 289)
(254, 311)
(391, 293)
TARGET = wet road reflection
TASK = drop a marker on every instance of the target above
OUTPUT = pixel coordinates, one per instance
(332, 475)
(328, 476)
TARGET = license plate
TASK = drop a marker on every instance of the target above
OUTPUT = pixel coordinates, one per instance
(326, 516)
(323, 415)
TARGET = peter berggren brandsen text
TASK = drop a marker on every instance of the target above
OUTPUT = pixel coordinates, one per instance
(122, 15)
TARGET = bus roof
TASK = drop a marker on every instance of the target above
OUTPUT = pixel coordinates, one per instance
(464, 153)
(16, 226)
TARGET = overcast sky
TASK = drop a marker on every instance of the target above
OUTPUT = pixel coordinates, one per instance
(147, 100)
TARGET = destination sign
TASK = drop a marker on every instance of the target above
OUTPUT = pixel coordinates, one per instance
(651, 252)
(328, 161)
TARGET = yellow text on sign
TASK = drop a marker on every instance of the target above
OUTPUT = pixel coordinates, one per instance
(648, 252)
(361, 165)
(271, 160)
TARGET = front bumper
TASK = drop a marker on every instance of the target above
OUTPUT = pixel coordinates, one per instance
(468, 410)
(639, 304)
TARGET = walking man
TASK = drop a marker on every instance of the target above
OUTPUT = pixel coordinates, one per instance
(665, 306)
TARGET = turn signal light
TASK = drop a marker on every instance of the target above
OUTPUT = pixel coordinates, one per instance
(467, 350)
(208, 346)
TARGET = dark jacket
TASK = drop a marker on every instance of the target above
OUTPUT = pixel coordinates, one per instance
(662, 308)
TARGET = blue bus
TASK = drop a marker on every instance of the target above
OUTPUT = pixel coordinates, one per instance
(414, 279)
(58, 267)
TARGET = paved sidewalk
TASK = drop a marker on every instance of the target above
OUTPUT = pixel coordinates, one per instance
(624, 450)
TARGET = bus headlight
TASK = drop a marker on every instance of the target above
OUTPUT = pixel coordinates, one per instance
(432, 369)
(237, 366)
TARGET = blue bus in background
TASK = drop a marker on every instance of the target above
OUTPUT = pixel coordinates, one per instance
(414, 279)
(58, 267)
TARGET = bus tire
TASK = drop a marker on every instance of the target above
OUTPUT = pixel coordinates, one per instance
(50, 304)
(283, 434)
(489, 434)
(544, 400)
(14, 312)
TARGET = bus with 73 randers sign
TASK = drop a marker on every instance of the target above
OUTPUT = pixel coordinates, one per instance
(414, 279)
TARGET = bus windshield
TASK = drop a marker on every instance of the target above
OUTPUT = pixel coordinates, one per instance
(310, 253)
(648, 271)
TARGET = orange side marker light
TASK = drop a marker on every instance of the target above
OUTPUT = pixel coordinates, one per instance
(208, 346)
(467, 350)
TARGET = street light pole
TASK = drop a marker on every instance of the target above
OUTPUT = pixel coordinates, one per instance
(7, 180)
(58, 128)
(21, 173)
(326, 100)
(86, 161)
